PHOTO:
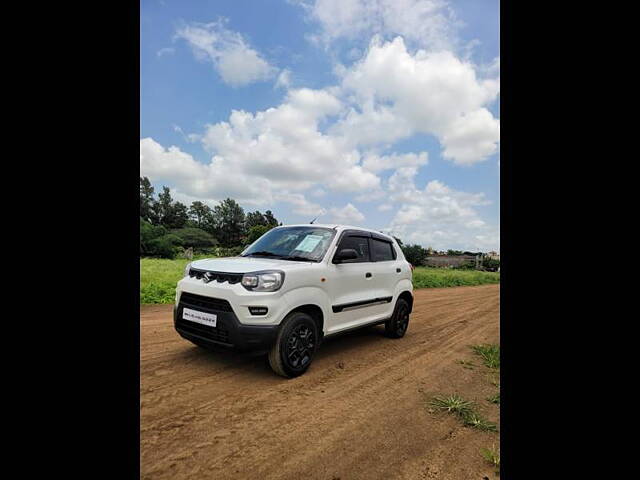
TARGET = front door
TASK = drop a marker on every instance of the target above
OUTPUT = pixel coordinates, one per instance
(352, 286)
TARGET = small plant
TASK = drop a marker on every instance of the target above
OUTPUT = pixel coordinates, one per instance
(452, 404)
(490, 354)
(475, 420)
(492, 456)
(494, 398)
(463, 409)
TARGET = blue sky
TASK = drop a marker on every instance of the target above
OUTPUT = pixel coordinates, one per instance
(380, 113)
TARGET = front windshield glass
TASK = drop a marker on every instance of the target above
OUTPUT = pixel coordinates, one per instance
(293, 243)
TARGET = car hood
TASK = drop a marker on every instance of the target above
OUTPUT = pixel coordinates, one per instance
(247, 264)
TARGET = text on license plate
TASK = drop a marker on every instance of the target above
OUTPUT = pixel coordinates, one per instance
(209, 319)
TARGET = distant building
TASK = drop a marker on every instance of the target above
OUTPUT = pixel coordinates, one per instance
(493, 255)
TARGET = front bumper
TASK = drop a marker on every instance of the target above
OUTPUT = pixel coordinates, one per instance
(228, 333)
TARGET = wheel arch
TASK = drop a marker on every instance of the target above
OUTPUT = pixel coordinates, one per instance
(315, 312)
(407, 296)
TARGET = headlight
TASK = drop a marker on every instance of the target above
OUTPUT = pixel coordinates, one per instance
(186, 269)
(268, 281)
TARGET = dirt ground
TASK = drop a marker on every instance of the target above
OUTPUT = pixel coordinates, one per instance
(360, 411)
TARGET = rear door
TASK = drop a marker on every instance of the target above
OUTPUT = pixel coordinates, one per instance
(386, 269)
(352, 285)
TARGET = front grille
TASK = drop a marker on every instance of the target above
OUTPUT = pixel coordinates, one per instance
(200, 302)
(218, 333)
(219, 277)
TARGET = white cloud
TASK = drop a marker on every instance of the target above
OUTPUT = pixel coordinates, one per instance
(284, 79)
(237, 63)
(347, 215)
(429, 23)
(285, 145)
(165, 51)
(432, 93)
(377, 163)
(385, 207)
(438, 215)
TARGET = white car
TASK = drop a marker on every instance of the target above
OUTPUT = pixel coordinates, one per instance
(293, 287)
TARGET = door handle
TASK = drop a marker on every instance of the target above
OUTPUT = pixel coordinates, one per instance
(398, 270)
(368, 274)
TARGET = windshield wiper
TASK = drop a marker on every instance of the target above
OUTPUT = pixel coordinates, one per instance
(263, 254)
(298, 258)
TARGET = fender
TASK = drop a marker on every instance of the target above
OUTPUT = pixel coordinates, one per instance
(300, 296)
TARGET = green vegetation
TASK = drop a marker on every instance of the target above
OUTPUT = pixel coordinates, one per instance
(492, 456)
(454, 404)
(426, 277)
(490, 354)
(464, 410)
(158, 278)
(494, 398)
(168, 227)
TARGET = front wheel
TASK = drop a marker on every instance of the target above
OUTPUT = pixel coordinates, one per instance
(295, 345)
(397, 325)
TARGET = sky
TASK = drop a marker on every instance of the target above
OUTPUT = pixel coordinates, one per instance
(383, 114)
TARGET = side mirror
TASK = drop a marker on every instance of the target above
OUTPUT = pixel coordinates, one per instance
(345, 254)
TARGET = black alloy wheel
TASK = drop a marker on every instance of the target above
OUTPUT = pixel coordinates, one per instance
(397, 325)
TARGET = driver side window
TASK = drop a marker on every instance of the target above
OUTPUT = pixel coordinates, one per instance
(359, 244)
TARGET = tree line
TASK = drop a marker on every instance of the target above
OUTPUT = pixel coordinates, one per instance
(167, 226)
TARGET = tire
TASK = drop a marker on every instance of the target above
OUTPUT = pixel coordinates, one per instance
(397, 325)
(295, 345)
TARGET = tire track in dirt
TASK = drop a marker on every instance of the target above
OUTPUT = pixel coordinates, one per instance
(359, 412)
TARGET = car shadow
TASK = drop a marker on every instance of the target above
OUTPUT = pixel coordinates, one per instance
(256, 363)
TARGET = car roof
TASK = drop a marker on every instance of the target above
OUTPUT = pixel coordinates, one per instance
(340, 228)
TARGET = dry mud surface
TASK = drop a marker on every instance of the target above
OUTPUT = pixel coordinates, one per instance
(360, 411)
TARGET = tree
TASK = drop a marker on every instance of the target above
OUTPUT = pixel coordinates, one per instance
(415, 254)
(255, 233)
(270, 219)
(179, 215)
(146, 200)
(200, 214)
(254, 219)
(229, 222)
(194, 237)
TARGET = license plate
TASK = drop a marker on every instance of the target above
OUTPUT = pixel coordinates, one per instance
(208, 319)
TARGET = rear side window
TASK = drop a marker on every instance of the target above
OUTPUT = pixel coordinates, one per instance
(381, 251)
(359, 244)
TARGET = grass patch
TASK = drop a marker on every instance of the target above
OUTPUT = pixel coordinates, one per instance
(463, 409)
(494, 398)
(492, 456)
(158, 278)
(490, 355)
(454, 404)
(426, 277)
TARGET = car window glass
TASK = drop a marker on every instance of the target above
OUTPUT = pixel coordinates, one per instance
(359, 244)
(381, 251)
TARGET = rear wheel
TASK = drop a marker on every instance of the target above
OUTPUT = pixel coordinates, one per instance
(295, 345)
(397, 325)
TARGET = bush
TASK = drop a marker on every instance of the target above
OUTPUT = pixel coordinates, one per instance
(195, 238)
(415, 254)
(490, 264)
(165, 246)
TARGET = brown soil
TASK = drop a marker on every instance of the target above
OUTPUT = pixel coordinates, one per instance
(360, 411)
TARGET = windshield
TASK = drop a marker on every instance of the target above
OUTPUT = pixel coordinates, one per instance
(293, 243)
